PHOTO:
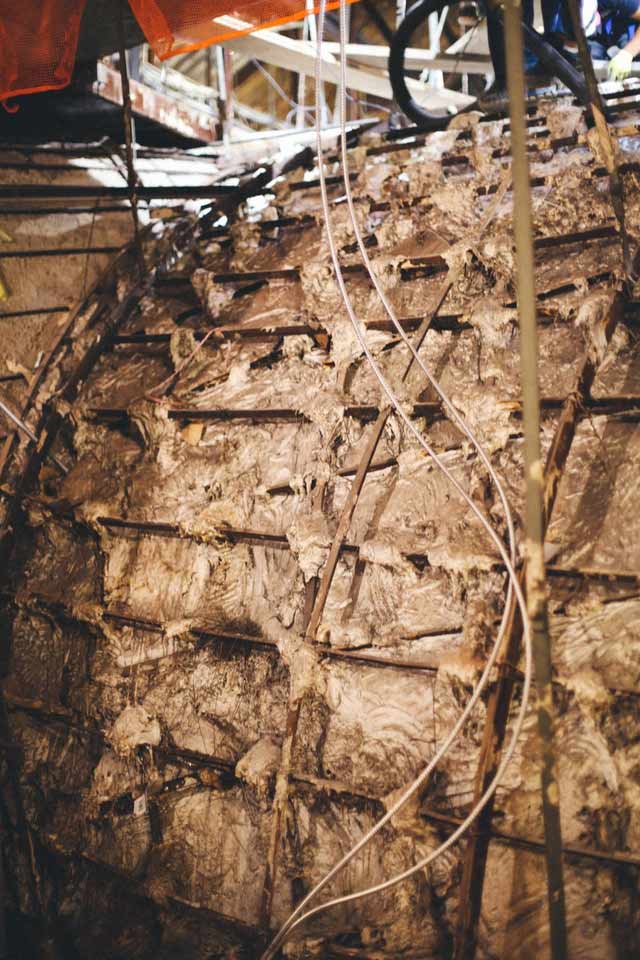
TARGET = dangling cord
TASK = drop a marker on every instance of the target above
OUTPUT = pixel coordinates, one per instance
(297, 917)
(462, 425)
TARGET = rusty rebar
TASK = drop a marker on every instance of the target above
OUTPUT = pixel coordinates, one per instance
(63, 716)
(63, 191)
(56, 252)
(15, 314)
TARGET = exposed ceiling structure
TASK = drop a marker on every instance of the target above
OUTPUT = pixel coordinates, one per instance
(318, 527)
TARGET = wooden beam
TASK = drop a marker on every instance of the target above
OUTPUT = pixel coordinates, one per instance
(171, 112)
(300, 56)
(416, 58)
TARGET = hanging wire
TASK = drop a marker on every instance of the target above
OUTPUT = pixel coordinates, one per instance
(297, 916)
(21, 425)
(296, 107)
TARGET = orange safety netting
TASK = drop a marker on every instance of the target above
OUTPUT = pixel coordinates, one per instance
(39, 38)
(38, 42)
(178, 26)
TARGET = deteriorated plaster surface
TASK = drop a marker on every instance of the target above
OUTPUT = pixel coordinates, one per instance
(105, 711)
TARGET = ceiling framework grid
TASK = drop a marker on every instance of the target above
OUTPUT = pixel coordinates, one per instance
(250, 610)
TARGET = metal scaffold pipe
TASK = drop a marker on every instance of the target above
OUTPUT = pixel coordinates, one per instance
(537, 610)
(127, 119)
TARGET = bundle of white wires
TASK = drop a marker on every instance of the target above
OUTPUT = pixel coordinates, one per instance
(299, 915)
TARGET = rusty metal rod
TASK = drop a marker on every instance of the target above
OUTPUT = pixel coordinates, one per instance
(624, 94)
(602, 406)
(104, 167)
(541, 242)
(444, 322)
(55, 167)
(298, 185)
(204, 632)
(14, 314)
(593, 573)
(227, 332)
(450, 322)
(578, 236)
(60, 211)
(69, 191)
(605, 276)
(63, 716)
(537, 609)
(55, 252)
(177, 286)
(96, 150)
(415, 266)
(624, 107)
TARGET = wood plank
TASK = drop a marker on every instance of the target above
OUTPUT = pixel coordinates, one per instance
(300, 56)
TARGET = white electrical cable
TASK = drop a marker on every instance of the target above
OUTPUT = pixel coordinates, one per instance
(21, 425)
(453, 412)
(297, 918)
(296, 107)
(455, 416)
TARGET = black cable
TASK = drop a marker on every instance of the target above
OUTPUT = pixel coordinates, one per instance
(378, 20)
(557, 65)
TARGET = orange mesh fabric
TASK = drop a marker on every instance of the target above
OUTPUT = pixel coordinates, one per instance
(177, 26)
(38, 42)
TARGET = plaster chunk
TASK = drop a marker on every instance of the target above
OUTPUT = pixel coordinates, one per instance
(133, 728)
(310, 541)
(258, 766)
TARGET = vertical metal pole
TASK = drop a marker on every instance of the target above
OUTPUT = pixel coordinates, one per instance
(301, 96)
(134, 137)
(133, 71)
(435, 23)
(534, 519)
(224, 64)
(222, 92)
(4, 953)
(352, 101)
(313, 39)
(228, 82)
(128, 136)
(208, 67)
(397, 117)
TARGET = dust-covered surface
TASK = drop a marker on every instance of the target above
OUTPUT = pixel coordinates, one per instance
(99, 225)
(149, 671)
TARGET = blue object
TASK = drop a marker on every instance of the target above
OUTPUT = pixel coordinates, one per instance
(616, 29)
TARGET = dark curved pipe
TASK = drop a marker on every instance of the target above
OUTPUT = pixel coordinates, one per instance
(377, 18)
(417, 15)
